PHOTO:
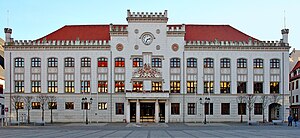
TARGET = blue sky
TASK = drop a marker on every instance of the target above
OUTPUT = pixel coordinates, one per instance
(262, 19)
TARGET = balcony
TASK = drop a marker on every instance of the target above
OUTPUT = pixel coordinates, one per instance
(147, 95)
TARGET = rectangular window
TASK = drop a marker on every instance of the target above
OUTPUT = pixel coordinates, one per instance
(156, 86)
(19, 62)
(293, 100)
(36, 105)
(293, 85)
(19, 105)
(274, 87)
(102, 62)
(102, 106)
(137, 86)
(242, 108)
(274, 63)
(19, 86)
(225, 87)
(258, 87)
(297, 84)
(209, 108)
(225, 108)
(191, 108)
(52, 62)
(52, 86)
(241, 87)
(35, 86)
(119, 108)
(69, 105)
(191, 86)
(156, 62)
(119, 62)
(102, 86)
(297, 98)
(137, 62)
(119, 86)
(52, 105)
(208, 87)
(175, 86)
(85, 86)
(69, 62)
(1, 89)
(69, 87)
(257, 108)
(175, 109)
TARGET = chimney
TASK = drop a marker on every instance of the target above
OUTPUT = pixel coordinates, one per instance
(285, 35)
(7, 32)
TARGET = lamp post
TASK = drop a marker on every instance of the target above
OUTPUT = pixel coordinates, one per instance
(203, 102)
(86, 105)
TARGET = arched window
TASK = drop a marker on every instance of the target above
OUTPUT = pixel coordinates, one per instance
(258, 63)
(225, 63)
(137, 62)
(241, 63)
(86, 62)
(35, 62)
(19, 62)
(208, 63)
(69, 62)
(52, 62)
(192, 63)
(274, 63)
(119, 62)
(102, 62)
(175, 62)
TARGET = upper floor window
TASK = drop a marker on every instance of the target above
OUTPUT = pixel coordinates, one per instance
(52, 62)
(157, 86)
(86, 62)
(137, 62)
(19, 86)
(175, 62)
(69, 62)
(35, 62)
(102, 86)
(225, 63)
(19, 62)
(119, 86)
(35, 86)
(274, 87)
(191, 86)
(119, 62)
(208, 63)
(137, 86)
(208, 86)
(192, 63)
(258, 63)
(258, 87)
(242, 63)
(85, 86)
(102, 62)
(156, 62)
(224, 87)
(175, 86)
(274, 63)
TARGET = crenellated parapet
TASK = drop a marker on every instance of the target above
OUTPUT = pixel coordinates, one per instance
(176, 30)
(118, 30)
(236, 45)
(161, 17)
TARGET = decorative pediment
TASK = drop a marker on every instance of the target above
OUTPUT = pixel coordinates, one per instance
(146, 72)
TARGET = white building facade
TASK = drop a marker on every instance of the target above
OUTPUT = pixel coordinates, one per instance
(148, 71)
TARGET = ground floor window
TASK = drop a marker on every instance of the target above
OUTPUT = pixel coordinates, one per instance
(36, 105)
(209, 108)
(191, 108)
(52, 105)
(119, 108)
(69, 105)
(19, 105)
(225, 108)
(241, 108)
(258, 109)
(102, 106)
(175, 109)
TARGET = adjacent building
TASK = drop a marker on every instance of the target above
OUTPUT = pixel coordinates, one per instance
(148, 71)
(1, 78)
(294, 82)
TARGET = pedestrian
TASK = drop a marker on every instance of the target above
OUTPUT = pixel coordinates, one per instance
(290, 120)
(296, 120)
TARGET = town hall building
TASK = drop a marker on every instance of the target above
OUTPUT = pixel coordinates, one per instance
(147, 71)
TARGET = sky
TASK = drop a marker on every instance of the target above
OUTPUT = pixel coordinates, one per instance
(261, 19)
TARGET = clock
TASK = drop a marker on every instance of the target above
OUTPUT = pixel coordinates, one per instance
(147, 38)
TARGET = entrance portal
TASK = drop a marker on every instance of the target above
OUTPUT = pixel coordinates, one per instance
(132, 112)
(161, 112)
(274, 111)
(147, 112)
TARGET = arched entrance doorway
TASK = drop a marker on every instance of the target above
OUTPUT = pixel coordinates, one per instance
(274, 111)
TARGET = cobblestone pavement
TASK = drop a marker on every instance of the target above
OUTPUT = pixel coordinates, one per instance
(150, 130)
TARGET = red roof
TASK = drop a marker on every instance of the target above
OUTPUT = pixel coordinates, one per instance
(213, 32)
(193, 33)
(81, 32)
(297, 66)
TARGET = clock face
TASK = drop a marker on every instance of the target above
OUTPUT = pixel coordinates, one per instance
(147, 38)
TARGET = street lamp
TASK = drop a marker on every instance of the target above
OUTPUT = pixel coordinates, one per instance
(203, 102)
(86, 105)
